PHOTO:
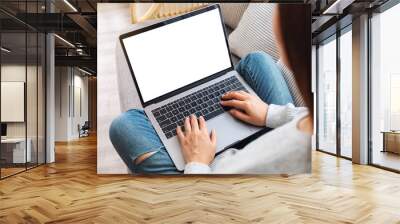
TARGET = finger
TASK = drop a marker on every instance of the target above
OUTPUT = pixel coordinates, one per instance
(179, 133)
(202, 124)
(213, 137)
(234, 103)
(244, 93)
(194, 123)
(233, 95)
(240, 115)
(188, 128)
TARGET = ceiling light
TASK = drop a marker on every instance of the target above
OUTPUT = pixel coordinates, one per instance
(337, 7)
(5, 50)
(84, 71)
(70, 5)
(64, 40)
(79, 51)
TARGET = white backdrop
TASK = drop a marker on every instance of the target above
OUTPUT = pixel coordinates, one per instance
(112, 20)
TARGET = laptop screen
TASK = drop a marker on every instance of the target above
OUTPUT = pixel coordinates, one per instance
(177, 54)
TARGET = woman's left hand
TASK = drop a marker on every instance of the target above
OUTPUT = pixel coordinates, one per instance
(196, 144)
(246, 107)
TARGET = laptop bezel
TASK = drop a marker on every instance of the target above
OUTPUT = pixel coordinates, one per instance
(166, 22)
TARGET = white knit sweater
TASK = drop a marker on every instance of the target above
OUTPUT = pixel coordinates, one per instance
(284, 150)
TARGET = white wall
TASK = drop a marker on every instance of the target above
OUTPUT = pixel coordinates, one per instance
(79, 117)
(61, 103)
(33, 126)
(112, 20)
(70, 83)
(12, 73)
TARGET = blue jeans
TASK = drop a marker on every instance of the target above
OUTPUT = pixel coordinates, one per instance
(133, 135)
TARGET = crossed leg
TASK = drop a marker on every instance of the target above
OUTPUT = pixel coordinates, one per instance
(141, 149)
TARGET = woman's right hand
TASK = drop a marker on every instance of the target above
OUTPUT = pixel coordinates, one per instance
(196, 144)
(246, 107)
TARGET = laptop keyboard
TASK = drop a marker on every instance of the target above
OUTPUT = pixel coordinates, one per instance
(204, 102)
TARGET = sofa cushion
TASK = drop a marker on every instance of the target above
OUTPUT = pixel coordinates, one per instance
(232, 12)
(254, 31)
(292, 85)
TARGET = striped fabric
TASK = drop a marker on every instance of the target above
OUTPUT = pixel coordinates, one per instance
(232, 12)
(291, 83)
(254, 31)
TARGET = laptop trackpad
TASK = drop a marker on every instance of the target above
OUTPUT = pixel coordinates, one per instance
(230, 130)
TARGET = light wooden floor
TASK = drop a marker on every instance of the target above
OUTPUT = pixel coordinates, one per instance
(386, 159)
(70, 191)
(10, 171)
(5, 172)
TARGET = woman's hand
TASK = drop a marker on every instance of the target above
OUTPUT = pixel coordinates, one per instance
(197, 145)
(246, 107)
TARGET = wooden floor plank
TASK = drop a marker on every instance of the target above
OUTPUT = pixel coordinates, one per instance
(70, 191)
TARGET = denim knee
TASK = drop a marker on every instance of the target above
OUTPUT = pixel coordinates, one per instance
(253, 60)
(132, 135)
(118, 125)
(256, 56)
(123, 133)
(116, 133)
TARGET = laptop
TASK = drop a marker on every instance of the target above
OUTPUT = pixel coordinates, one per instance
(182, 66)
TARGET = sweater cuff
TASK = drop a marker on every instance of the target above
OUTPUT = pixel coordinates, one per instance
(197, 168)
(276, 116)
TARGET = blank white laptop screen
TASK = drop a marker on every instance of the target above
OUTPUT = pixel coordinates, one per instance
(174, 55)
